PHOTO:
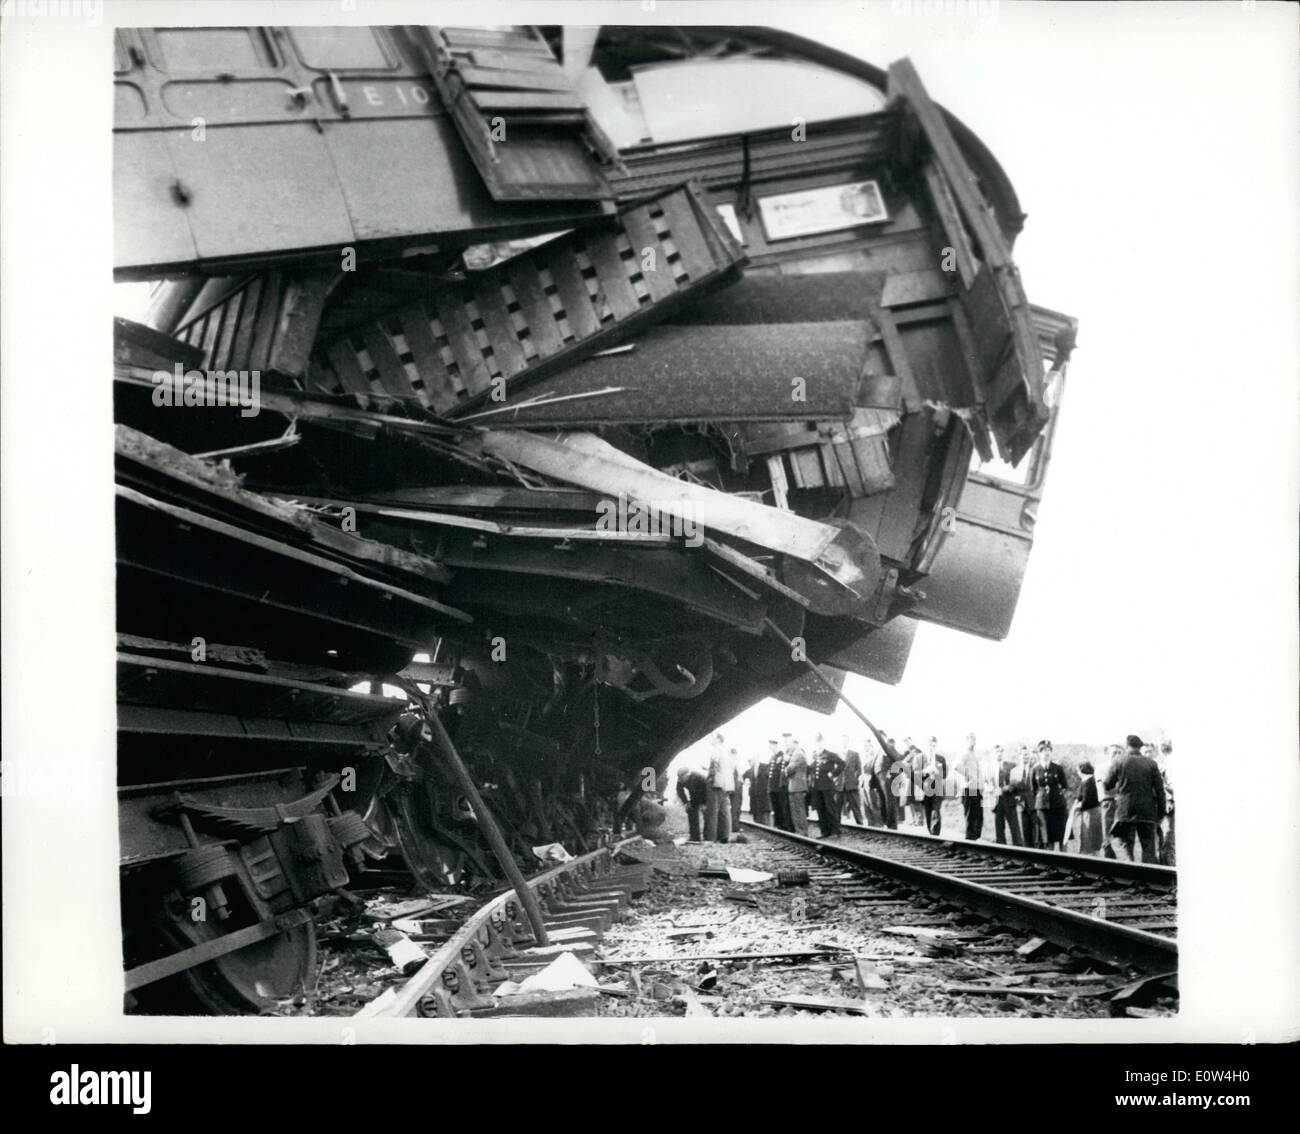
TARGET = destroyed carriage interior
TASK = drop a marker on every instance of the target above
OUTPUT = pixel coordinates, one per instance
(489, 282)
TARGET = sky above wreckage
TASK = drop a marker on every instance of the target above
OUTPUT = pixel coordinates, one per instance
(1136, 158)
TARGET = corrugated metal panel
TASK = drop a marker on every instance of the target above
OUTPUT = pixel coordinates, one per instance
(710, 373)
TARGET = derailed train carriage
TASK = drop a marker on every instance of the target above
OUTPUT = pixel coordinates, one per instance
(602, 377)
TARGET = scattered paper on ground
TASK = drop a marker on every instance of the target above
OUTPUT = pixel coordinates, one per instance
(918, 931)
(552, 852)
(563, 973)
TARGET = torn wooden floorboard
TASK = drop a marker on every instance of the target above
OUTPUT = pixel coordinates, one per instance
(509, 325)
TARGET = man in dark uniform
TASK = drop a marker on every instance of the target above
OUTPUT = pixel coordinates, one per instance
(692, 790)
(760, 799)
(826, 766)
(776, 788)
(1134, 782)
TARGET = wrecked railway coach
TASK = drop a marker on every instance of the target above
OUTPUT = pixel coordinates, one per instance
(804, 348)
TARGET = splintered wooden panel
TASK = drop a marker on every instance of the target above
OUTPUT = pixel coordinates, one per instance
(866, 465)
(1005, 343)
(860, 467)
(537, 312)
(523, 124)
(265, 323)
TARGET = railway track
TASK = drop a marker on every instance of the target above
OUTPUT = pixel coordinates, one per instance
(580, 900)
(1120, 912)
(920, 925)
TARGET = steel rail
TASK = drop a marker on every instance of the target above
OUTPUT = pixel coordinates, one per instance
(1148, 872)
(469, 956)
(1107, 940)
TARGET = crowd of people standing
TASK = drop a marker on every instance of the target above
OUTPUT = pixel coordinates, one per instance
(1033, 802)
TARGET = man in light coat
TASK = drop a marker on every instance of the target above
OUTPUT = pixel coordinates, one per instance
(851, 798)
(722, 782)
(796, 779)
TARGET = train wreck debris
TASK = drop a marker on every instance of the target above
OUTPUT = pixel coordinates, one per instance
(561, 454)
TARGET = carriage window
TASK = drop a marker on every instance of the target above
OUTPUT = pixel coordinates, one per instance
(340, 49)
(215, 49)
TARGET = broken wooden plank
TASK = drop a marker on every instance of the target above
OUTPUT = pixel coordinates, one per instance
(809, 1003)
(868, 979)
(920, 931)
(567, 1002)
(766, 955)
(1008, 990)
(1144, 990)
(288, 551)
(589, 462)
(166, 460)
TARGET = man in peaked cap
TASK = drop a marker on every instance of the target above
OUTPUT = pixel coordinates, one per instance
(827, 766)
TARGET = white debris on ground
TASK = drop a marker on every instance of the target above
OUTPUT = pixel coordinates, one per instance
(562, 974)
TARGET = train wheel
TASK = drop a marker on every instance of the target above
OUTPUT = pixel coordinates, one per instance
(429, 855)
(253, 979)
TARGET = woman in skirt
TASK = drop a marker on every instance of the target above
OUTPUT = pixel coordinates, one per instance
(1087, 820)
